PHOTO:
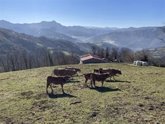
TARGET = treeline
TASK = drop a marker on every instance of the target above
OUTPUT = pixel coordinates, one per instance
(127, 55)
(21, 60)
(114, 54)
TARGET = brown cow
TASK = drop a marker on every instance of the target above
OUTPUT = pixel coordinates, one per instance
(87, 77)
(95, 77)
(112, 72)
(56, 81)
(98, 77)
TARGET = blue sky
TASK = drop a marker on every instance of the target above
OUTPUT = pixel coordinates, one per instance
(100, 13)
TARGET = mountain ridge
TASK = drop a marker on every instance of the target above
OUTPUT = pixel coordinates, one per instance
(133, 38)
(13, 41)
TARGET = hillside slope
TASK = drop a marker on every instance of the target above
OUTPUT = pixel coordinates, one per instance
(11, 41)
(137, 96)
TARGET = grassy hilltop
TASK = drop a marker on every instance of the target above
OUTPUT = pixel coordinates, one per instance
(137, 96)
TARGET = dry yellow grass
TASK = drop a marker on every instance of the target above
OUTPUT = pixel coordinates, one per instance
(137, 96)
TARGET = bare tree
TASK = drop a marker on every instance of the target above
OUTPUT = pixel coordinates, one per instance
(143, 55)
(114, 54)
(126, 55)
(107, 53)
(94, 50)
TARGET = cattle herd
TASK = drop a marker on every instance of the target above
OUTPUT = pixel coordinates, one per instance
(61, 76)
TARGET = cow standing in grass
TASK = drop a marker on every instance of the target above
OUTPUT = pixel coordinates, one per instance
(56, 81)
(95, 77)
(87, 77)
(98, 77)
(112, 72)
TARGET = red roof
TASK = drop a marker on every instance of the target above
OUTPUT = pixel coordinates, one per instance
(89, 56)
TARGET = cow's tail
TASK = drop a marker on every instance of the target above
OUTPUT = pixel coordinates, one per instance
(47, 85)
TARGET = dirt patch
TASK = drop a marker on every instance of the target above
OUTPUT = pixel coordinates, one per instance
(153, 106)
(43, 105)
(162, 104)
(114, 111)
(117, 99)
(93, 114)
(40, 96)
(5, 79)
(139, 113)
(6, 120)
(151, 73)
(31, 94)
(150, 98)
(27, 94)
(156, 107)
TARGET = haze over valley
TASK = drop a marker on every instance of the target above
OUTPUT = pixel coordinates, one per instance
(133, 38)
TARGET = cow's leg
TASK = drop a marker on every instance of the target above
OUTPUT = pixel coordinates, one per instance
(94, 83)
(47, 87)
(86, 81)
(91, 83)
(62, 88)
(102, 83)
(51, 87)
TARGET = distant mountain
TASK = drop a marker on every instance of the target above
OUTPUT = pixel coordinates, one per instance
(11, 42)
(55, 30)
(37, 29)
(133, 38)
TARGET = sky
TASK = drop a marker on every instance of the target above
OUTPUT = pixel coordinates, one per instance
(100, 13)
